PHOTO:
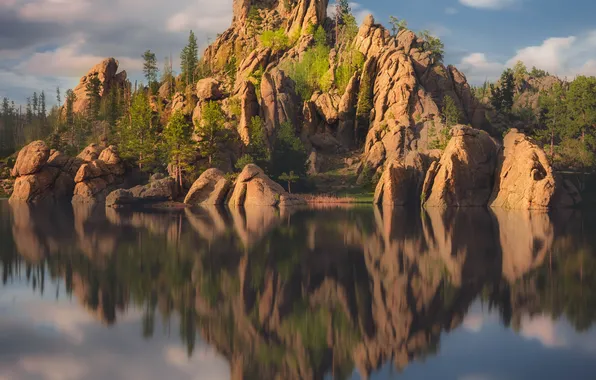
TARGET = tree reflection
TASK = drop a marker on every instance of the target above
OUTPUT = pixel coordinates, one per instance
(313, 293)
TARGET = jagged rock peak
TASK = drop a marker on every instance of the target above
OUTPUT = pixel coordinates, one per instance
(298, 13)
(107, 73)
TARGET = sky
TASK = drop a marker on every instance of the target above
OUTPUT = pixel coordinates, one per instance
(50, 43)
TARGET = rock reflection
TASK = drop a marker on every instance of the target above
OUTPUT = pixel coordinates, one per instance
(306, 294)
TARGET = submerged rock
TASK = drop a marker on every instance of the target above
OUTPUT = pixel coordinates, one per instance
(161, 190)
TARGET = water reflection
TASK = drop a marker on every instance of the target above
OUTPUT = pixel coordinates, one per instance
(309, 294)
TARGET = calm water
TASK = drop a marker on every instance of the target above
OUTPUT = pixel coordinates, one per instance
(347, 294)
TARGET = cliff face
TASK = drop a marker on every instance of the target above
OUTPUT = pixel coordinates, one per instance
(109, 77)
(408, 93)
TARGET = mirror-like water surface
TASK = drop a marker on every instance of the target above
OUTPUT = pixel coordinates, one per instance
(89, 293)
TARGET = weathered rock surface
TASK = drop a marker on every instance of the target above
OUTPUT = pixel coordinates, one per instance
(210, 188)
(107, 73)
(280, 104)
(465, 174)
(31, 159)
(249, 108)
(96, 179)
(90, 153)
(407, 91)
(209, 89)
(401, 181)
(254, 188)
(50, 174)
(161, 190)
(524, 178)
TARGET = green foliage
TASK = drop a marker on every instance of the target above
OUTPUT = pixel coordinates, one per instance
(243, 161)
(254, 21)
(178, 145)
(288, 153)
(289, 178)
(150, 70)
(365, 97)
(397, 25)
(211, 130)
(538, 73)
(351, 62)
(137, 135)
(502, 95)
(189, 59)
(257, 147)
(520, 72)
(311, 73)
(451, 113)
(433, 45)
(276, 40)
(93, 92)
(553, 110)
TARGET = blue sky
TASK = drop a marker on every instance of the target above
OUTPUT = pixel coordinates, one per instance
(45, 43)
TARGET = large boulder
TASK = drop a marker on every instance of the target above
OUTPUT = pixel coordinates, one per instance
(90, 153)
(249, 108)
(401, 181)
(524, 179)
(210, 189)
(161, 190)
(209, 89)
(42, 178)
(31, 159)
(96, 179)
(465, 174)
(254, 188)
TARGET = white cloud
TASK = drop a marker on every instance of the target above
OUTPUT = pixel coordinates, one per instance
(562, 56)
(479, 68)
(55, 10)
(473, 322)
(488, 4)
(49, 367)
(69, 61)
(358, 10)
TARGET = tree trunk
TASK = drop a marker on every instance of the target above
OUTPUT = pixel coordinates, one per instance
(289, 187)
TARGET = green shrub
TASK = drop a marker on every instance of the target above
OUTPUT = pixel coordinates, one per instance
(348, 66)
(275, 40)
(311, 73)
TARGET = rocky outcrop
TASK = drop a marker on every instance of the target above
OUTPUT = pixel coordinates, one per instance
(464, 175)
(407, 90)
(279, 102)
(524, 178)
(249, 108)
(43, 174)
(346, 130)
(90, 153)
(107, 73)
(209, 89)
(401, 182)
(161, 190)
(210, 189)
(254, 188)
(31, 159)
(96, 179)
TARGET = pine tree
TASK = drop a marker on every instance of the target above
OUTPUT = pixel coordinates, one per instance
(35, 105)
(138, 134)
(554, 115)
(189, 59)
(211, 131)
(93, 92)
(179, 146)
(150, 70)
(451, 114)
(42, 105)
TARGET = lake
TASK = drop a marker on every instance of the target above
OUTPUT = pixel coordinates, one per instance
(338, 293)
